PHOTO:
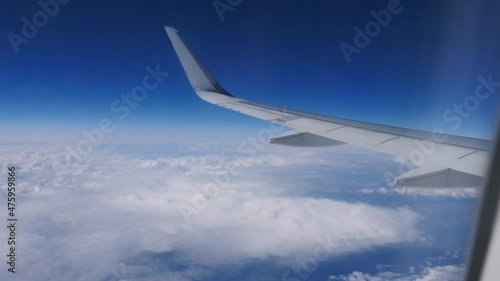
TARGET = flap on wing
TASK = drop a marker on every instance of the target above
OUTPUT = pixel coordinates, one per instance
(431, 175)
(295, 138)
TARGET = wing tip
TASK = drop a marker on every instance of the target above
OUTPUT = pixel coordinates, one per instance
(170, 29)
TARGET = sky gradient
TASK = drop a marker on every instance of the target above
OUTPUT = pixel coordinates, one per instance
(424, 61)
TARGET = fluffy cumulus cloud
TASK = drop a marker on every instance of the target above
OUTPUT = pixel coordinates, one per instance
(88, 219)
(436, 273)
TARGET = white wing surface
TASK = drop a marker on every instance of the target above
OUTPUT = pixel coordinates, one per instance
(440, 160)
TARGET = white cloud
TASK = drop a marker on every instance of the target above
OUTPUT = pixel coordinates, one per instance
(81, 221)
(436, 273)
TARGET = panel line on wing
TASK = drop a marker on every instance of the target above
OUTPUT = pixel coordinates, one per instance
(467, 154)
(285, 119)
(335, 128)
(397, 137)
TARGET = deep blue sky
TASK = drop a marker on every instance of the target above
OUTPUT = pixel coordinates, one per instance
(283, 53)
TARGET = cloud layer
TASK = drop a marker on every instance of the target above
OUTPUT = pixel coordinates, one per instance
(81, 221)
(436, 273)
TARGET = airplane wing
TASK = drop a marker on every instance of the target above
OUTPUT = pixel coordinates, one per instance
(440, 160)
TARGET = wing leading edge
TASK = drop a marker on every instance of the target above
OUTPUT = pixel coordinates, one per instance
(440, 160)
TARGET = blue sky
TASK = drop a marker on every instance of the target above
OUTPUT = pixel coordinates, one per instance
(426, 60)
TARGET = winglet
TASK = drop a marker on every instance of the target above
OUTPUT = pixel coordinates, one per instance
(198, 75)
